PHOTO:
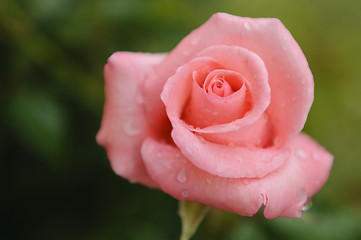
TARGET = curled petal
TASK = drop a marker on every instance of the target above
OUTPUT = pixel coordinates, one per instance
(179, 178)
(283, 192)
(124, 126)
(226, 161)
(289, 76)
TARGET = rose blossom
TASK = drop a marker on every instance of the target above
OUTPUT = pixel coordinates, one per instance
(218, 119)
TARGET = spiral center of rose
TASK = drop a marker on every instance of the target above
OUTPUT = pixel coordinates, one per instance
(222, 83)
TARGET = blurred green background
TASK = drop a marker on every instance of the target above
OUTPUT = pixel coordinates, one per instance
(56, 182)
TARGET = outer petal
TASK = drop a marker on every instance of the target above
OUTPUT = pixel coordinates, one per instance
(179, 178)
(290, 78)
(228, 161)
(124, 126)
(288, 189)
(283, 192)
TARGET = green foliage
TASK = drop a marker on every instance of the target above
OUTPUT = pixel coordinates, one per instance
(56, 183)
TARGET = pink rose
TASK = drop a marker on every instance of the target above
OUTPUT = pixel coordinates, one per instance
(218, 119)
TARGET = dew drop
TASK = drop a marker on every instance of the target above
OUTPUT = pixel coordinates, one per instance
(301, 197)
(284, 47)
(195, 41)
(301, 154)
(245, 181)
(307, 206)
(283, 104)
(186, 52)
(315, 156)
(130, 129)
(182, 176)
(185, 193)
(303, 81)
(293, 98)
(197, 146)
(246, 25)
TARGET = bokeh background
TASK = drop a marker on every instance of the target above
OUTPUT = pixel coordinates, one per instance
(56, 182)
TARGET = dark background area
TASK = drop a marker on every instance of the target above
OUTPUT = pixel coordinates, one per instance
(56, 182)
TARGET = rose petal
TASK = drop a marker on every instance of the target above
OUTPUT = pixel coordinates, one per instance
(177, 177)
(178, 88)
(226, 161)
(283, 192)
(252, 68)
(124, 126)
(289, 76)
(204, 109)
(289, 188)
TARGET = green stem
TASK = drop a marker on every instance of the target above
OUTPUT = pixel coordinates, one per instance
(192, 214)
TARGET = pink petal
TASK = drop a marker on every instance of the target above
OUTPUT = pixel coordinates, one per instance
(289, 76)
(252, 68)
(204, 109)
(179, 178)
(289, 188)
(124, 126)
(177, 91)
(283, 192)
(223, 160)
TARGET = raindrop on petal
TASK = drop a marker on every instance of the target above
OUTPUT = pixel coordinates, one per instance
(301, 154)
(130, 129)
(246, 25)
(182, 176)
(307, 206)
(185, 193)
(195, 41)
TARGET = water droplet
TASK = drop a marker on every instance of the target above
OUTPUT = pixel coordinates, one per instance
(182, 176)
(195, 41)
(307, 206)
(303, 81)
(284, 47)
(301, 197)
(197, 146)
(246, 25)
(301, 154)
(185, 193)
(245, 181)
(130, 128)
(186, 52)
(283, 104)
(293, 98)
(315, 156)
